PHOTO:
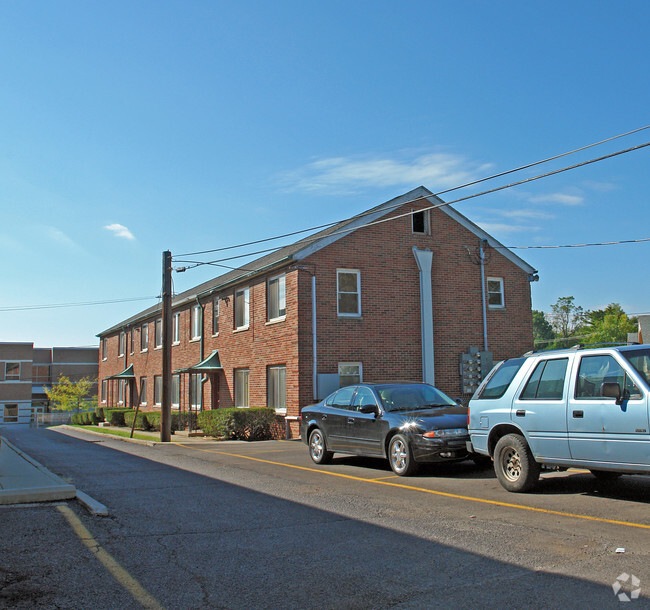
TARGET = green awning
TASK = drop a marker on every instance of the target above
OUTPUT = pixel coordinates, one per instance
(127, 373)
(211, 363)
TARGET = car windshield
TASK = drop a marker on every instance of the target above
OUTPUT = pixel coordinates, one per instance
(411, 397)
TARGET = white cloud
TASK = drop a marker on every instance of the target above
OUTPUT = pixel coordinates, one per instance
(499, 228)
(120, 231)
(350, 174)
(525, 214)
(561, 198)
(59, 236)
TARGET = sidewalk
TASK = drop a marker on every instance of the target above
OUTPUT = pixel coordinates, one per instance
(23, 479)
(153, 438)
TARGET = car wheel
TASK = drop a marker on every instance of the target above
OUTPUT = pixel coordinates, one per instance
(605, 476)
(318, 448)
(514, 464)
(400, 456)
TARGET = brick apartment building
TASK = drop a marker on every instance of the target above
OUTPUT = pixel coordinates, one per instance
(25, 372)
(362, 300)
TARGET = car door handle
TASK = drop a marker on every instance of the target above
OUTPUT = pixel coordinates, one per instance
(578, 414)
(350, 420)
(520, 413)
(324, 417)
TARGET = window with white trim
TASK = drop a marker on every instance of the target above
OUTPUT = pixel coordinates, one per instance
(10, 413)
(241, 388)
(277, 387)
(104, 389)
(132, 341)
(176, 326)
(12, 371)
(144, 338)
(242, 308)
(195, 322)
(495, 296)
(120, 391)
(122, 344)
(215, 317)
(348, 287)
(176, 390)
(143, 390)
(158, 331)
(276, 298)
(350, 373)
(104, 349)
(157, 390)
(196, 398)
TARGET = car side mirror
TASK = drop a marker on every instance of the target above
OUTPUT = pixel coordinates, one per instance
(369, 409)
(611, 389)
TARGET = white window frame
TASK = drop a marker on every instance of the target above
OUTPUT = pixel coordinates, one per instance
(281, 283)
(501, 292)
(242, 376)
(176, 391)
(196, 391)
(144, 338)
(427, 225)
(121, 341)
(356, 314)
(158, 332)
(215, 317)
(176, 328)
(104, 390)
(104, 350)
(195, 322)
(121, 386)
(359, 365)
(276, 391)
(157, 390)
(143, 392)
(246, 315)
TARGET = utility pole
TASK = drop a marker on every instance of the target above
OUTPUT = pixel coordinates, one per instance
(166, 414)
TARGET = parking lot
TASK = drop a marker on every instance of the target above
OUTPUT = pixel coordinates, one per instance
(259, 525)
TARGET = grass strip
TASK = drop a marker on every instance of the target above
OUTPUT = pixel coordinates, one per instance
(122, 433)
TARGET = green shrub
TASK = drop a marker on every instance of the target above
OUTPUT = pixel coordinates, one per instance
(99, 412)
(75, 418)
(185, 418)
(154, 418)
(252, 424)
(141, 423)
(116, 416)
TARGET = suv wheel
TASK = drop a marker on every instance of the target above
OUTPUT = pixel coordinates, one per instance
(514, 464)
(318, 448)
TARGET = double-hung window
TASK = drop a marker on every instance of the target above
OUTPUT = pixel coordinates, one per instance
(215, 317)
(122, 346)
(12, 371)
(176, 390)
(143, 390)
(195, 322)
(348, 286)
(157, 390)
(242, 307)
(276, 298)
(241, 387)
(159, 328)
(277, 387)
(350, 373)
(176, 324)
(144, 338)
(495, 297)
(104, 349)
(196, 398)
(104, 389)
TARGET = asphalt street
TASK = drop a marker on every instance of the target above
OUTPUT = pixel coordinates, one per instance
(258, 525)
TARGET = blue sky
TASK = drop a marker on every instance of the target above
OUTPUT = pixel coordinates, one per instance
(129, 128)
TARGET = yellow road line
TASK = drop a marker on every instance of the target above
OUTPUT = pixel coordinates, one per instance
(434, 492)
(106, 559)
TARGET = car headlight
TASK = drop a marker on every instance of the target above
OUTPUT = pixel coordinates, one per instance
(445, 433)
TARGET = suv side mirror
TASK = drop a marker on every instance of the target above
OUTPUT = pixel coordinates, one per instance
(613, 390)
(369, 409)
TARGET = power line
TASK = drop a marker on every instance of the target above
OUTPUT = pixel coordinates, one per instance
(604, 243)
(194, 264)
(449, 190)
(78, 304)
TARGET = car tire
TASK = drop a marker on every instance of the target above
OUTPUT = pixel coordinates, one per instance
(400, 456)
(318, 447)
(606, 476)
(514, 464)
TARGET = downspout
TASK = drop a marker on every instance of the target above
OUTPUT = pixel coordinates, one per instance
(483, 295)
(314, 338)
(424, 259)
(204, 378)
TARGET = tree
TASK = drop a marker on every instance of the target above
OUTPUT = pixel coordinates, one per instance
(542, 330)
(566, 317)
(609, 325)
(70, 395)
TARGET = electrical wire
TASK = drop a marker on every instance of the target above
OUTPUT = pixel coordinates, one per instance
(79, 304)
(449, 190)
(194, 264)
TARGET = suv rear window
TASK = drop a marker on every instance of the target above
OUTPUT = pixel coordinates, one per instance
(501, 378)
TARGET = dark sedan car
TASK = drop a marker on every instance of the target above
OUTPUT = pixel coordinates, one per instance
(408, 423)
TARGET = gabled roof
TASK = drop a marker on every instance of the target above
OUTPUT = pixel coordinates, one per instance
(313, 243)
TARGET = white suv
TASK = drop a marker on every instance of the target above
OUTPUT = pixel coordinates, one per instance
(585, 408)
